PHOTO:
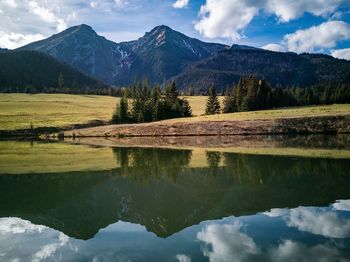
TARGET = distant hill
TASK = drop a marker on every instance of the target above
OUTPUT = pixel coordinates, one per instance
(278, 68)
(160, 54)
(164, 54)
(23, 71)
(2, 50)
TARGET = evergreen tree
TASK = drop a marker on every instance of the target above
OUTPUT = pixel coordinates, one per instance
(186, 110)
(156, 101)
(229, 101)
(213, 104)
(60, 81)
(121, 114)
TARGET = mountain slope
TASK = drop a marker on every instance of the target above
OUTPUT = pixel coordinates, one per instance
(286, 69)
(163, 53)
(22, 71)
(159, 54)
(82, 48)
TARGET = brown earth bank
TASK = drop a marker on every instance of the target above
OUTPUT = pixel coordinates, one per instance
(293, 125)
(36, 132)
(315, 141)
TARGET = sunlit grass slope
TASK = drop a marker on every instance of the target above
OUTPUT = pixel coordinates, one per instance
(308, 111)
(18, 111)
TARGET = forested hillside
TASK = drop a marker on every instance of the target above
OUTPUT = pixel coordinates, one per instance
(30, 71)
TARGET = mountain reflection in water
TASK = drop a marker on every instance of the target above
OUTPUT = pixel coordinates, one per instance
(156, 205)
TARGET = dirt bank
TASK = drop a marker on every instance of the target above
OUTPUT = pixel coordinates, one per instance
(295, 125)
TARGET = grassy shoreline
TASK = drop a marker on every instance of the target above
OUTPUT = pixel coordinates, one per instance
(31, 115)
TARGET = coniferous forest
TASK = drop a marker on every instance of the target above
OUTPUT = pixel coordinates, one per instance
(148, 105)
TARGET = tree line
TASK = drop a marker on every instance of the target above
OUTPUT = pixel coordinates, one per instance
(141, 104)
(252, 94)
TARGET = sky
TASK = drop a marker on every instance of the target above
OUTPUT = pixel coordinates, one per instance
(320, 26)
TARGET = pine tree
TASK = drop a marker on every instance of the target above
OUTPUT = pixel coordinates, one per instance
(156, 96)
(186, 110)
(229, 101)
(213, 104)
(60, 81)
(121, 114)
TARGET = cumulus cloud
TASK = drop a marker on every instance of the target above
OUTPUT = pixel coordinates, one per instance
(276, 212)
(50, 249)
(274, 47)
(292, 9)
(183, 258)
(93, 4)
(227, 18)
(226, 243)
(13, 40)
(325, 35)
(342, 54)
(326, 223)
(14, 225)
(292, 251)
(11, 3)
(46, 15)
(180, 3)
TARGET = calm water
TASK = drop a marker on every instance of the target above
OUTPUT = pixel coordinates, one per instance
(174, 205)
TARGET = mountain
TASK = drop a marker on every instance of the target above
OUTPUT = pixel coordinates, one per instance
(278, 68)
(82, 48)
(2, 50)
(160, 54)
(22, 71)
(164, 54)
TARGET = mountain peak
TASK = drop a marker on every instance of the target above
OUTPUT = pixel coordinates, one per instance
(161, 28)
(82, 28)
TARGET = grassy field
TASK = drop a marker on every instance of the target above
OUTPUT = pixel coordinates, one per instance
(323, 110)
(18, 111)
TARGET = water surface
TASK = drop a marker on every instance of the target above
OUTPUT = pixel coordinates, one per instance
(165, 204)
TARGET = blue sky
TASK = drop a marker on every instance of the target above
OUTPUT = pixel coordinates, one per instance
(280, 25)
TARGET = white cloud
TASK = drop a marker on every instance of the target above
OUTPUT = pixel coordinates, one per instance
(10, 3)
(325, 35)
(121, 3)
(274, 47)
(227, 18)
(292, 251)
(13, 40)
(46, 15)
(50, 249)
(14, 225)
(183, 258)
(276, 212)
(180, 3)
(93, 4)
(342, 54)
(325, 223)
(291, 9)
(226, 243)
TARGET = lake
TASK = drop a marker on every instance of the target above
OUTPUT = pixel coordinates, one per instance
(178, 199)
